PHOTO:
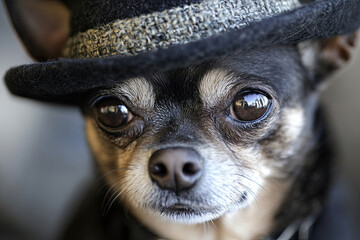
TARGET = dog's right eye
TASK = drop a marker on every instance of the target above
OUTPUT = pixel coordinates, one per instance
(111, 113)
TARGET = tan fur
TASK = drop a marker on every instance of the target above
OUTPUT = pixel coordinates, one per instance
(215, 85)
(120, 165)
(257, 220)
(139, 93)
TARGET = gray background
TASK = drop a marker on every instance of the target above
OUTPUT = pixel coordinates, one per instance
(45, 163)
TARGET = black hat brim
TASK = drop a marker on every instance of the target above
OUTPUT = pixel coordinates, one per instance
(67, 80)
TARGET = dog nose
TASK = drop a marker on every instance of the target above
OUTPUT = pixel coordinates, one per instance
(175, 168)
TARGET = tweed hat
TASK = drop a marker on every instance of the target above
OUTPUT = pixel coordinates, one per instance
(113, 40)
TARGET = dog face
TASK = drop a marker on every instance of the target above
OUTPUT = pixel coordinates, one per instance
(193, 144)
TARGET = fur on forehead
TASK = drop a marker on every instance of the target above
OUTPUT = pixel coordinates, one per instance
(278, 67)
(137, 91)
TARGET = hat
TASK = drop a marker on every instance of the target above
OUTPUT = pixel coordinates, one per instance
(112, 40)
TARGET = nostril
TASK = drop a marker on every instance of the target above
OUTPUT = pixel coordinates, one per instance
(190, 169)
(175, 168)
(159, 169)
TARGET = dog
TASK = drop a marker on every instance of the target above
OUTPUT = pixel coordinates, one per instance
(232, 147)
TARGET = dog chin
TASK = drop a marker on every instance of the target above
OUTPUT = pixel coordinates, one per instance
(189, 214)
(189, 217)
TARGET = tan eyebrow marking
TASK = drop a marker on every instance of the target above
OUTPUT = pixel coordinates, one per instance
(214, 86)
(139, 91)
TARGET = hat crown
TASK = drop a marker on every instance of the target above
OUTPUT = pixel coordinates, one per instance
(185, 23)
(88, 14)
(116, 55)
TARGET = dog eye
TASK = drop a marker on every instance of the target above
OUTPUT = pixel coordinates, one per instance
(111, 113)
(250, 106)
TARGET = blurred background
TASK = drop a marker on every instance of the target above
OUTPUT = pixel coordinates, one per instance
(45, 163)
(44, 160)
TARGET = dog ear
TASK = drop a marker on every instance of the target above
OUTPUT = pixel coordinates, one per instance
(323, 57)
(43, 26)
(338, 51)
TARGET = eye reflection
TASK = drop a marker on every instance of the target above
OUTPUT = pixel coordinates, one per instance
(114, 109)
(253, 100)
(250, 106)
(111, 113)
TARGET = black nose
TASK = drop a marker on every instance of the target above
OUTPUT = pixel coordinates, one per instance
(175, 168)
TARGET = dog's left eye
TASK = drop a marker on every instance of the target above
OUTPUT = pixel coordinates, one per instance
(250, 106)
(111, 113)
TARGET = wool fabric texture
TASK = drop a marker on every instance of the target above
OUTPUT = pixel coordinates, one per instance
(179, 25)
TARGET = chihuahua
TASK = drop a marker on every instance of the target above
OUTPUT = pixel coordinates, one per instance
(232, 148)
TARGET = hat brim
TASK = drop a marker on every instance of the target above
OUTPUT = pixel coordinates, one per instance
(67, 80)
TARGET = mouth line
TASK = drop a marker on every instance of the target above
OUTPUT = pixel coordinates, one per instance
(186, 208)
(180, 209)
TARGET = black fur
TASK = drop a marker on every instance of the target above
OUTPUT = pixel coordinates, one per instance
(313, 182)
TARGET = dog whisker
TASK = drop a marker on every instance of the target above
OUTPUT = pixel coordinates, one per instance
(112, 202)
(113, 188)
(112, 171)
(107, 199)
(243, 175)
(116, 195)
(213, 224)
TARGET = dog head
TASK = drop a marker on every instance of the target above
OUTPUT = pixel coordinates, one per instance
(194, 144)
